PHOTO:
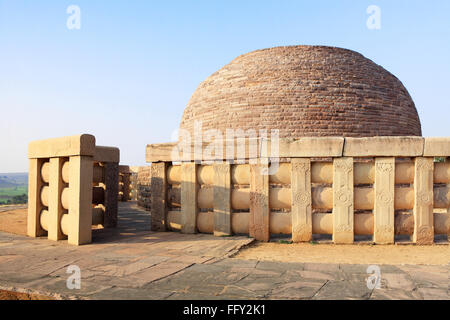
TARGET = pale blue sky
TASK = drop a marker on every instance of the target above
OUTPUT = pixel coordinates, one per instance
(128, 73)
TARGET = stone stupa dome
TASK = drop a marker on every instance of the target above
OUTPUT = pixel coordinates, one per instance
(304, 91)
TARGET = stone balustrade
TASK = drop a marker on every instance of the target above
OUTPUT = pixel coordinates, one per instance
(73, 184)
(380, 186)
(124, 183)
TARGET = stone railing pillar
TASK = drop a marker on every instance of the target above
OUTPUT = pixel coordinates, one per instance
(301, 209)
(259, 202)
(124, 183)
(423, 201)
(343, 204)
(159, 196)
(384, 200)
(189, 191)
(61, 193)
(222, 199)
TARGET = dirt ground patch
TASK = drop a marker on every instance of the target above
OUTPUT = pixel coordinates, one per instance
(14, 221)
(353, 254)
(12, 295)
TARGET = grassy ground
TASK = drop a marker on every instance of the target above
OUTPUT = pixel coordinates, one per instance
(11, 192)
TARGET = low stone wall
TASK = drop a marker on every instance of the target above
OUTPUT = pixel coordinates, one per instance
(380, 186)
(143, 185)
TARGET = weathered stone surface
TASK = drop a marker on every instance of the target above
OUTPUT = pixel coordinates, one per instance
(189, 188)
(55, 208)
(80, 203)
(297, 290)
(259, 202)
(143, 181)
(343, 207)
(437, 147)
(343, 290)
(389, 294)
(384, 218)
(383, 147)
(106, 154)
(434, 294)
(301, 211)
(160, 152)
(35, 206)
(110, 188)
(304, 147)
(397, 281)
(147, 265)
(159, 196)
(423, 201)
(83, 145)
(331, 94)
(222, 199)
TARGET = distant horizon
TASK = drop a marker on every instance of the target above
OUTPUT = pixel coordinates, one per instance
(9, 173)
(126, 71)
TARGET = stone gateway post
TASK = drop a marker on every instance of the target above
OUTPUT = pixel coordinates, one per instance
(73, 184)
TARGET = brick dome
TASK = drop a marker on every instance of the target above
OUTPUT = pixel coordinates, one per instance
(304, 91)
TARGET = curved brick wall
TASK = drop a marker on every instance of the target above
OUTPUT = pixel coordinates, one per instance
(304, 91)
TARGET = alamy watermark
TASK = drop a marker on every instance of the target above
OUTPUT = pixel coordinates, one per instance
(74, 280)
(232, 146)
(374, 280)
(374, 20)
(74, 20)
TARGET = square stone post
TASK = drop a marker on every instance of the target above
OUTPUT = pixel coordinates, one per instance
(80, 202)
(259, 202)
(189, 189)
(159, 196)
(55, 209)
(447, 160)
(343, 231)
(222, 199)
(126, 187)
(301, 210)
(124, 175)
(111, 189)
(35, 206)
(384, 213)
(423, 201)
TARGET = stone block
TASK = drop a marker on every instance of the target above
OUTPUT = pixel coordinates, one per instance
(437, 147)
(106, 154)
(80, 202)
(304, 147)
(79, 145)
(383, 147)
(160, 152)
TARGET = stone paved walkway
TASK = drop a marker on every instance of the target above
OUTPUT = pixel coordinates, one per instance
(131, 262)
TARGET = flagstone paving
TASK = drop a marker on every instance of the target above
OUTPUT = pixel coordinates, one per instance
(131, 262)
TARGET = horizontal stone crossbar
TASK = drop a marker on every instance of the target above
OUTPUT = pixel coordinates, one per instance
(254, 148)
